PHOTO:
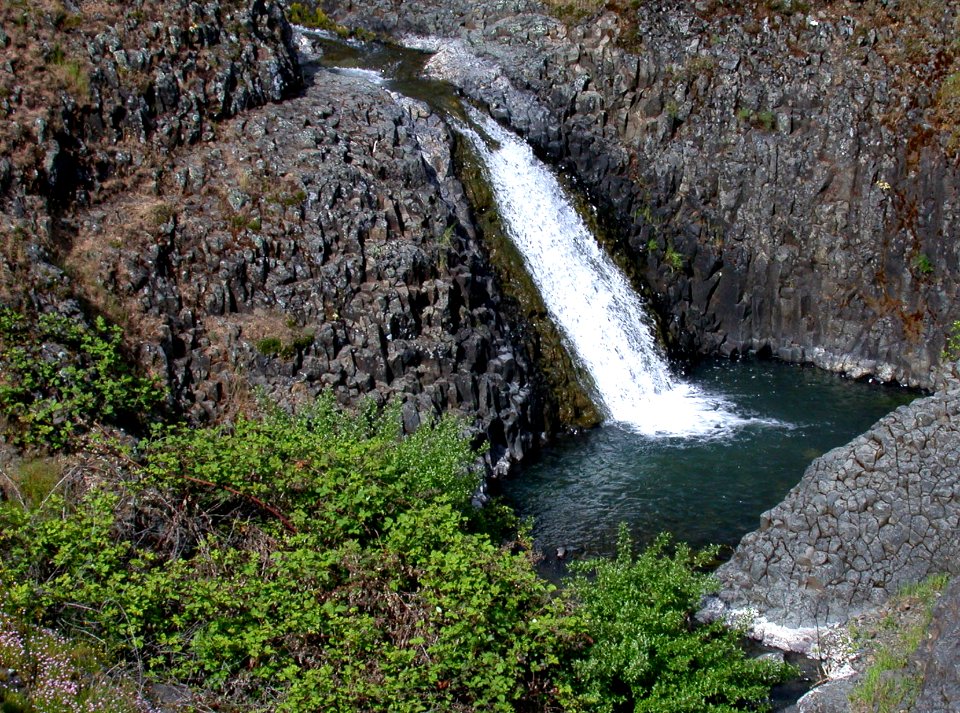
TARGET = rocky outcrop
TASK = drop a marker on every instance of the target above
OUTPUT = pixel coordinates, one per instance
(324, 243)
(779, 179)
(112, 84)
(866, 519)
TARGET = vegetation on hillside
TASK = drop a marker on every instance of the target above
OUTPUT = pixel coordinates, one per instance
(322, 561)
(892, 681)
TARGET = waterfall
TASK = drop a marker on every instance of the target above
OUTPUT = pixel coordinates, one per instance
(602, 319)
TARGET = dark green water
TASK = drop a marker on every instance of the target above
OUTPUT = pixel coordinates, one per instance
(701, 490)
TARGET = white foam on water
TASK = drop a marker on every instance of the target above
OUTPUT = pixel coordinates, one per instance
(367, 75)
(600, 315)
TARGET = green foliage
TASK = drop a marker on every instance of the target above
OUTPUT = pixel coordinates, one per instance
(334, 570)
(673, 258)
(270, 346)
(58, 376)
(276, 347)
(574, 11)
(922, 264)
(35, 480)
(57, 56)
(951, 351)
(314, 18)
(162, 213)
(70, 72)
(888, 686)
(288, 200)
(648, 654)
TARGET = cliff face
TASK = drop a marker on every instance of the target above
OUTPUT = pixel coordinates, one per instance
(320, 242)
(785, 182)
(94, 98)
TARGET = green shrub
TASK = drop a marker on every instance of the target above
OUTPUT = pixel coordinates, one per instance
(315, 18)
(764, 119)
(322, 561)
(923, 264)
(673, 258)
(951, 351)
(648, 653)
(330, 567)
(276, 347)
(270, 346)
(58, 376)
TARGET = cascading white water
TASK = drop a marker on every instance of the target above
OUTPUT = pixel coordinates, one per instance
(590, 300)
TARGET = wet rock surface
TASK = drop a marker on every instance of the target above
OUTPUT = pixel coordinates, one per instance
(775, 177)
(866, 519)
(324, 243)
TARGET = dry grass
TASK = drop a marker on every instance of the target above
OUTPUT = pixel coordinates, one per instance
(570, 11)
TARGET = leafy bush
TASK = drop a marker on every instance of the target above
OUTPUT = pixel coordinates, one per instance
(57, 376)
(673, 258)
(328, 565)
(648, 653)
(322, 561)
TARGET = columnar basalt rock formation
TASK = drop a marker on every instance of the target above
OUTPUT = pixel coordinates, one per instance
(865, 520)
(779, 180)
(321, 244)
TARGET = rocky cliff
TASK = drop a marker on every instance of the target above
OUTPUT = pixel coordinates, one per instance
(783, 177)
(319, 243)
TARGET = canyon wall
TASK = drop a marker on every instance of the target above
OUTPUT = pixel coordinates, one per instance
(782, 182)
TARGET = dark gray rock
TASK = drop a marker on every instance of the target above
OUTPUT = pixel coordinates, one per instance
(866, 519)
(939, 656)
(831, 697)
(324, 243)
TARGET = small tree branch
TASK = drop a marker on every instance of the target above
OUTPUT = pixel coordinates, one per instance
(284, 520)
